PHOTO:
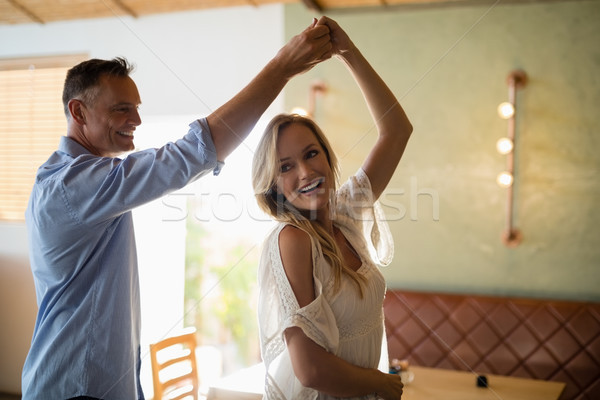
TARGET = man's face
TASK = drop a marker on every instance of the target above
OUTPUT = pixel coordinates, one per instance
(112, 118)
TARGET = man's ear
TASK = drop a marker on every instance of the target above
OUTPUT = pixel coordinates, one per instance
(76, 109)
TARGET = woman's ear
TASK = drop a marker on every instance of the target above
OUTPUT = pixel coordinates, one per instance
(76, 109)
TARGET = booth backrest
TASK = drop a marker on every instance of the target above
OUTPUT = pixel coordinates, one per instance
(531, 338)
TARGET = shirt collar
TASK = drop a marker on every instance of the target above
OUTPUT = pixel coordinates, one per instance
(71, 147)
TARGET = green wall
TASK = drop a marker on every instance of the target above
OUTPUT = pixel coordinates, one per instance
(448, 66)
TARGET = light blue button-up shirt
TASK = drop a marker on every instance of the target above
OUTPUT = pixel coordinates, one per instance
(86, 340)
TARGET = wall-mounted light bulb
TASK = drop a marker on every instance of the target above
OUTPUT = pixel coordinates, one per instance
(299, 111)
(506, 110)
(504, 145)
(504, 179)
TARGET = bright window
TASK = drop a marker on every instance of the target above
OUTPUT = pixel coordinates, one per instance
(198, 252)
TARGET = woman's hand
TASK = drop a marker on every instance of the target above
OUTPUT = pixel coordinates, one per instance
(391, 388)
(306, 49)
(340, 41)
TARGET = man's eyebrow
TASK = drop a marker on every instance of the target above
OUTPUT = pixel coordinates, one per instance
(125, 103)
(301, 151)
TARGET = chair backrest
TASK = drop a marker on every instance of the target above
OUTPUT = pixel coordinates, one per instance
(174, 368)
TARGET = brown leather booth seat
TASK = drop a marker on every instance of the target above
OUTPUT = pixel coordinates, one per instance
(530, 338)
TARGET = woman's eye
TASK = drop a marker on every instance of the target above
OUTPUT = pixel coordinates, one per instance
(312, 154)
(285, 167)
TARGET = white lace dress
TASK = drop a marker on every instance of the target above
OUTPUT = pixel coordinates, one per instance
(342, 323)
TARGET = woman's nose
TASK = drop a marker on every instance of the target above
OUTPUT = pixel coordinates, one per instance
(304, 169)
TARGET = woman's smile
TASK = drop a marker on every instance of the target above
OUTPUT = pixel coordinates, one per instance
(311, 187)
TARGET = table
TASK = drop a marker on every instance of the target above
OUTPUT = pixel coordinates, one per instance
(435, 383)
(246, 384)
(428, 384)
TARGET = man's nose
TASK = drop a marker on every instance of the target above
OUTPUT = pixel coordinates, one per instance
(135, 117)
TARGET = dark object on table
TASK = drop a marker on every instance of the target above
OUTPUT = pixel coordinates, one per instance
(482, 381)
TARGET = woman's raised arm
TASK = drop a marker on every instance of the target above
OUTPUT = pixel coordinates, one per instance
(392, 124)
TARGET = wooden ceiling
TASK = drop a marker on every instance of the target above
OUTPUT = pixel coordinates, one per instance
(43, 11)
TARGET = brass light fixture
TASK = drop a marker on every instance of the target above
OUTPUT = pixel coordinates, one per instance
(317, 87)
(506, 146)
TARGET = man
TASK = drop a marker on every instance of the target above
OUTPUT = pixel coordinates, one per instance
(82, 247)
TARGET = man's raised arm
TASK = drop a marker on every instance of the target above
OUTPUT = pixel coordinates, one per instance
(231, 123)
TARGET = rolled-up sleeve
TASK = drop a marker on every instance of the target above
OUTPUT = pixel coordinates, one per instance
(105, 187)
(201, 129)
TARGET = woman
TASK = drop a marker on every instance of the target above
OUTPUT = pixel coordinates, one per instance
(321, 295)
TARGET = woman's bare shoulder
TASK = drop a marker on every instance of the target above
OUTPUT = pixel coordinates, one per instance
(296, 256)
(294, 242)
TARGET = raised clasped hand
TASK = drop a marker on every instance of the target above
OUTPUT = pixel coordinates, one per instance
(307, 49)
(340, 40)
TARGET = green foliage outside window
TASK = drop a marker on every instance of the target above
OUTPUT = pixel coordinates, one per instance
(220, 292)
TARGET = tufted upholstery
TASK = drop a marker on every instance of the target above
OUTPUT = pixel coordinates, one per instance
(550, 340)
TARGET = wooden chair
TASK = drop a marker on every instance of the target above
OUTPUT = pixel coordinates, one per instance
(174, 368)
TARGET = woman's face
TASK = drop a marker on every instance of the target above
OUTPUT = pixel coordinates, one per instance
(305, 177)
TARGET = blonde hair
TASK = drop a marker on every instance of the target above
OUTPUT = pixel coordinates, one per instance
(265, 171)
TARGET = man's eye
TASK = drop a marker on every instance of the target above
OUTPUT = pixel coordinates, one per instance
(122, 109)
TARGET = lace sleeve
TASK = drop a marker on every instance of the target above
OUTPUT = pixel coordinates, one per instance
(278, 310)
(355, 205)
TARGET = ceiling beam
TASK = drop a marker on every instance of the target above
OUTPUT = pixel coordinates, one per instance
(125, 8)
(313, 5)
(26, 11)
